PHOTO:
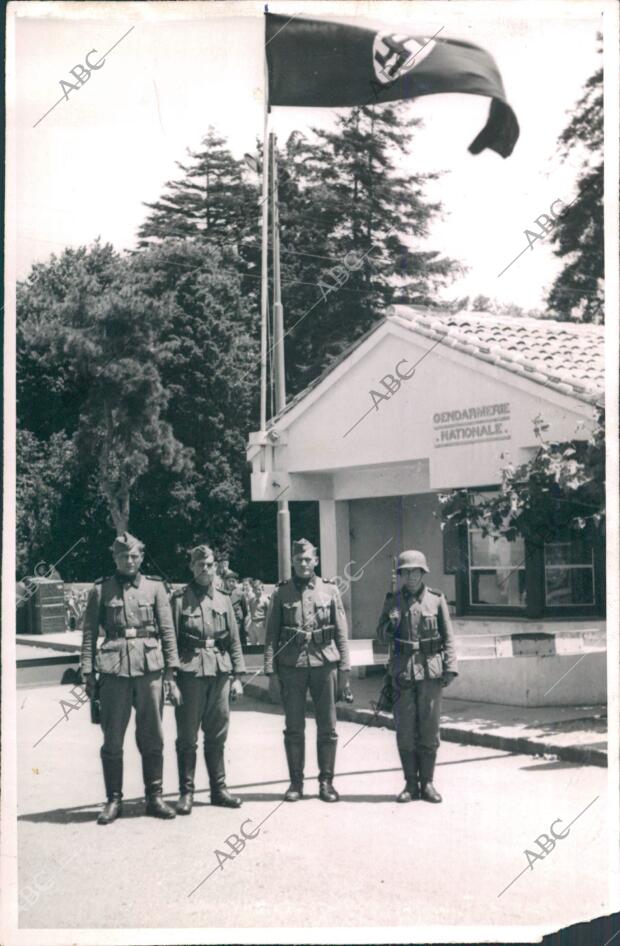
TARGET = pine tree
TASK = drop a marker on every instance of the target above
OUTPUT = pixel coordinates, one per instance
(210, 201)
(577, 292)
(353, 229)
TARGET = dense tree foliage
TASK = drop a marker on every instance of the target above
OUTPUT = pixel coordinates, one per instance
(578, 235)
(561, 488)
(138, 373)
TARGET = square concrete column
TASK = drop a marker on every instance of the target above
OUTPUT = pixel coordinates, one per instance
(335, 551)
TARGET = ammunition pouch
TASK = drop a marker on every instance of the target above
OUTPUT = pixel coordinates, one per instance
(319, 636)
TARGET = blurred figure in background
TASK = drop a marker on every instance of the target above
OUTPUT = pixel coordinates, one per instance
(241, 608)
(258, 613)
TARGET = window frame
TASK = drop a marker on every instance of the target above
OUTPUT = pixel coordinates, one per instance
(535, 583)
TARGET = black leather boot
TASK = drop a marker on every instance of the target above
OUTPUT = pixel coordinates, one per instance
(295, 757)
(152, 769)
(113, 778)
(326, 752)
(409, 762)
(220, 796)
(186, 759)
(427, 770)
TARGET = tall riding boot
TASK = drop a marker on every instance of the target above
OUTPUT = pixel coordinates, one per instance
(295, 756)
(326, 752)
(186, 759)
(409, 762)
(152, 770)
(113, 778)
(220, 796)
(427, 768)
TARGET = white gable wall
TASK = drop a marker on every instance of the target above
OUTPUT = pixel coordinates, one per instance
(413, 426)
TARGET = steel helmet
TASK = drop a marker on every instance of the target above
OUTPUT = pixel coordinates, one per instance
(412, 559)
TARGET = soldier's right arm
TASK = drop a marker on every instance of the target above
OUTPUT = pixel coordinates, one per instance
(91, 629)
(385, 628)
(272, 633)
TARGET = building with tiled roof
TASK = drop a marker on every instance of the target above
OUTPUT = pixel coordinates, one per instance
(424, 403)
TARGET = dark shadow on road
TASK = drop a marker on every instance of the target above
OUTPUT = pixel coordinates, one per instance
(553, 764)
(369, 799)
(264, 796)
(134, 807)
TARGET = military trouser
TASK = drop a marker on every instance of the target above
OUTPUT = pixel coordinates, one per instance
(118, 695)
(416, 718)
(205, 704)
(322, 683)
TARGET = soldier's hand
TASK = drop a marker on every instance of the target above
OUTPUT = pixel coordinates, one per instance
(275, 690)
(343, 688)
(447, 678)
(236, 690)
(172, 692)
(394, 616)
(90, 684)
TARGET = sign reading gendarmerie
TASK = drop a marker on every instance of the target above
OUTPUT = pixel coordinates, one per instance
(471, 425)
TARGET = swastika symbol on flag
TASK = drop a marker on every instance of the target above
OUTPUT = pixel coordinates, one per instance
(394, 54)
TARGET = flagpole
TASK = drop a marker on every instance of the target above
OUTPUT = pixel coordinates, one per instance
(264, 289)
(284, 519)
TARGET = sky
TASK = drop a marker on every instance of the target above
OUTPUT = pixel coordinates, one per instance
(87, 167)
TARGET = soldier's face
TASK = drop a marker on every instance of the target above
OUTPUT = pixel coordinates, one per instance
(128, 563)
(305, 564)
(412, 578)
(203, 570)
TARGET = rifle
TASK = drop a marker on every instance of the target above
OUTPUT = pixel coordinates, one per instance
(387, 696)
(95, 704)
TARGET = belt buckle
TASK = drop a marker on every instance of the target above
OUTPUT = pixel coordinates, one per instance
(131, 632)
(209, 643)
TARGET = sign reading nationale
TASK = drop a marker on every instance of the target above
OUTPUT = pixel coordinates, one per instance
(479, 424)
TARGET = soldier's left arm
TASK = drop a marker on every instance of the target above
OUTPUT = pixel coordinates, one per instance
(236, 653)
(163, 613)
(341, 635)
(447, 634)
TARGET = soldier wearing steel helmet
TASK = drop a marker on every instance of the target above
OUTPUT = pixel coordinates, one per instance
(134, 612)
(306, 648)
(416, 623)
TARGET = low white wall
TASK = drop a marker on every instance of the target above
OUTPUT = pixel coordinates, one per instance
(558, 680)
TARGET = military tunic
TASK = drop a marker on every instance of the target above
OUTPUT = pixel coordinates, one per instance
(134, 614)
(306, 644)
(421, 650)
(209, 651)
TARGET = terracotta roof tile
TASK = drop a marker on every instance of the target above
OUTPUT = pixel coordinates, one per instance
(568, 356)
(565, 356)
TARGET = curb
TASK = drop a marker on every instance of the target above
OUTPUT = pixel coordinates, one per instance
(516, 744)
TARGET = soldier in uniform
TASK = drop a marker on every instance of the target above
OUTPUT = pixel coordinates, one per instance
(416, 622)
(210, 651)
(306, 647)
(134, 612)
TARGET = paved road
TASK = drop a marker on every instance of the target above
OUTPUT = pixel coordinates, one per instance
(364, 862)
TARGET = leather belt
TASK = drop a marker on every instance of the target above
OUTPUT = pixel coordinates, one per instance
(201, 643)
(131, 632)
(422, 646)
